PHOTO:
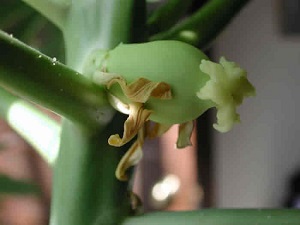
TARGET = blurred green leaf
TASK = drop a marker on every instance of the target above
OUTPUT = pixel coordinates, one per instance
(29, 26)
(12, 13)
(47, 82)
(202, 27)
(167, 15)
(11, 186)
(219, 217)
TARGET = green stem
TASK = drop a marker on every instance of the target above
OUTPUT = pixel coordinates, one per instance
(219, 217)
(204, 26)
(38, 78)
(16, 187)
(167, 15)
(96, 24)
(55, 10)
(85, 189)
(30, 123)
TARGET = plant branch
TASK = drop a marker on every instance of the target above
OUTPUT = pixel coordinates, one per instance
(219, 217)
(44, 81)
(167, 15)
(85, 189)
(96, 24)
(54, 10)
(204, 25)
(30, 123)
(17, 187)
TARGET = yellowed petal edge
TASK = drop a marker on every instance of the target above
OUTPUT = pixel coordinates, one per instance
(138, 91)
(185, 131)
(131, 157)
(135, 121)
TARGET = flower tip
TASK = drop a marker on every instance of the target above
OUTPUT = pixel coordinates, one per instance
(227, 88)
(224, 128)
(184, 135)
(115, 140)
(121, 176)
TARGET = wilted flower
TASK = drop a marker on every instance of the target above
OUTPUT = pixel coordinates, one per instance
(167, 82)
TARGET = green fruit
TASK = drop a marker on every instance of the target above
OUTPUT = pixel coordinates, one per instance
(187, 71)
(172, 62)
(168, 82)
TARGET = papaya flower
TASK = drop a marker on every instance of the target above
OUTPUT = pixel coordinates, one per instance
(162, 83)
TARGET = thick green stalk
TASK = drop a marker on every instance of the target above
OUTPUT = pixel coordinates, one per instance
(85, 189)
(205, 25)
(42, 80)
(220, 217)
(30, 123)
(167, 15)
(16, 187)
(54, 10)
(96, 24)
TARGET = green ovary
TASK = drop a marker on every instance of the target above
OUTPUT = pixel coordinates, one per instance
(168, 82)
(197, 84)
(173, 62)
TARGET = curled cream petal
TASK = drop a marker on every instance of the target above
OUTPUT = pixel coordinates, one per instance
(142, 89)
(135, 121)
(131, 158)
(154, 130)
(225, 114)
(184, 134)
(227, 87)
(138, 91)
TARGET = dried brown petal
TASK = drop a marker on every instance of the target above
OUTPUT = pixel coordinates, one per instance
(138, 91)
(184, 134)
(142, 89)
(135, 121)
(131, 157)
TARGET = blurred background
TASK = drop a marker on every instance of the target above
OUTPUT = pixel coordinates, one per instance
(254, 163)
(257, 164)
